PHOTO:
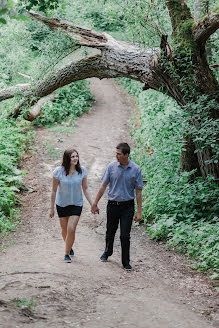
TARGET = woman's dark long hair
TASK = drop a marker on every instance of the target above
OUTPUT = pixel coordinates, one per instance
(66, 161)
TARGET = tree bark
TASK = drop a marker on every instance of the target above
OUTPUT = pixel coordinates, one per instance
(201, 8)
(211, 169)
(35, 112)
(12, 91)
(189, 159)
(205, 27)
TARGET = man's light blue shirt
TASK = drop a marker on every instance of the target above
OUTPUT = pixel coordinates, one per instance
(122, 181)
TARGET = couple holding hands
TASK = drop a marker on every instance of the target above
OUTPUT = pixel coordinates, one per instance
(125, 183)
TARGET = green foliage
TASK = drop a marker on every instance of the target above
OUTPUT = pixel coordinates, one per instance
(70, 102)
(16, 61)
(181, 211)
(41, 5)
(14, 139)
(6, 7)
(199, 240)
(107, 19)
(48, 48)
(205, 131)
(24, 303)
(36, 51)
(99, 15)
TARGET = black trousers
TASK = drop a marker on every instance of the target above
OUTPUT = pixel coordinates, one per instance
(123, 214)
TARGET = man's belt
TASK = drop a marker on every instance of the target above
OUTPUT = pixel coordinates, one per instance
(114, 202)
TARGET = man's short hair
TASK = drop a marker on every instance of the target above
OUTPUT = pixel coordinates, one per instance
(124, 147)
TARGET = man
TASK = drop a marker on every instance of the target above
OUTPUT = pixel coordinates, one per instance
(124, 178)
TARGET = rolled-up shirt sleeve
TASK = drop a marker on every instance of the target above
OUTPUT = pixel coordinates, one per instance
(106, 176)
(139, 181)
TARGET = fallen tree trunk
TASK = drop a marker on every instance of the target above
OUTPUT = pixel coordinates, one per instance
(31, 115)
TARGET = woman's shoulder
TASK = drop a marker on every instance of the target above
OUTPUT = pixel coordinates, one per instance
(83, 169)
(58, 170)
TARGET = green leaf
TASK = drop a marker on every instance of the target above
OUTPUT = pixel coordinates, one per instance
(3, 21)
(3, 11)
(21, 17)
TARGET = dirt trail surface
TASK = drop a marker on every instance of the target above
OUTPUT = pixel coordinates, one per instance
(162, 291)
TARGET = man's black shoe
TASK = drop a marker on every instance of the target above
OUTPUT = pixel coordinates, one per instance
(104, 257)
(128, 267)
(71, 252)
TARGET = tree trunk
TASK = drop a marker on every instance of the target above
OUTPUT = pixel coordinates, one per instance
(189, 159)
(201, 8)
(211, 169)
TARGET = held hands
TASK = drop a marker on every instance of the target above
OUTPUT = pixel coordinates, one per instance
(95, 209)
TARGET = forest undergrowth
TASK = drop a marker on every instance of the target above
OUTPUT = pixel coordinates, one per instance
(179, 209)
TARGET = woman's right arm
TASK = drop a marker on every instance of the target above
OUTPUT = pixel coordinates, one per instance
(55, 183)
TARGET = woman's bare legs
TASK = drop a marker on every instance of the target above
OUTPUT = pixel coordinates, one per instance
(64, 225)
(68, 225)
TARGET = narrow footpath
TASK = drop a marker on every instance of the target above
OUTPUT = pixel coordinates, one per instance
(161, 292)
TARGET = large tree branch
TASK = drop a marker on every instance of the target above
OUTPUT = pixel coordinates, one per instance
(113, 59)
(206, 26)
(10, 92)
(85, 37)
(120, 60)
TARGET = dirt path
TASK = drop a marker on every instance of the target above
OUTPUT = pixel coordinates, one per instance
(162, 291)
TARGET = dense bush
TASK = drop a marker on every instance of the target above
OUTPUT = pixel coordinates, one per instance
(100, 15)
(14, 139)
(70, 102)
(176, 208)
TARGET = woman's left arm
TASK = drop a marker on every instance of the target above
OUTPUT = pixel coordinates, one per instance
(86, 191)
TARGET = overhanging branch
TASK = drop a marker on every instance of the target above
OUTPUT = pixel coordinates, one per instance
(10, 92)
(206, 26)
(85, 37)
(113, 58)
(126, 63)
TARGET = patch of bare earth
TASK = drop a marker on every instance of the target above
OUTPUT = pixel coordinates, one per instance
(161, 291)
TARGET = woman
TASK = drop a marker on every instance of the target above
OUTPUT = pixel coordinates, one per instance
(69, 180)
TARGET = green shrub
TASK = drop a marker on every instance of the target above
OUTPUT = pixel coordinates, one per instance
(70, 102)
(14, 139)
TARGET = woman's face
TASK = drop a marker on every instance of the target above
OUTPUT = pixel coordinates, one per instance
(74, 158)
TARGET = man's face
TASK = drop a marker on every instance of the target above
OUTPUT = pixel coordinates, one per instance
(121, 158)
